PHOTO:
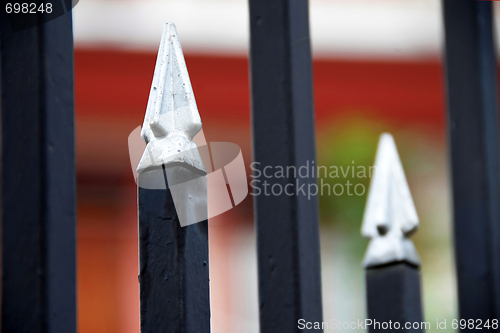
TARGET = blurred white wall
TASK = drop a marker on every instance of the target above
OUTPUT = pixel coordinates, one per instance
(339, 28)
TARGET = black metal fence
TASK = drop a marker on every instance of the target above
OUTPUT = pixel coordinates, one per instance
(38, 186)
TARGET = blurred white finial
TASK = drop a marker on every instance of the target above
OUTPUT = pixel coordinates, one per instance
(172, 118)
(390, 217)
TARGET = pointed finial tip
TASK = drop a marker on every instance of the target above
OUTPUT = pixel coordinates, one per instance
(390, 217)
(169, 27)
(386, 138)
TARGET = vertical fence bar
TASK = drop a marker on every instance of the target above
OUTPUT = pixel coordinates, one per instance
(173, 268)
(283, 135)
(38, 178)
(393, 297)
(174, 277)
(471, 77)
(391, 260)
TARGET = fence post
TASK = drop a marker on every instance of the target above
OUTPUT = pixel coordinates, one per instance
(38, 178)
(283, 135)
(174, 280)
(471, 78)
(391, 260)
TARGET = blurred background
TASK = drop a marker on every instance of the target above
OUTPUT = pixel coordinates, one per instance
(377, 67)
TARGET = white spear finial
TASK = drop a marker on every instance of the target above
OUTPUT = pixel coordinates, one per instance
(172, 118)
(390, 217)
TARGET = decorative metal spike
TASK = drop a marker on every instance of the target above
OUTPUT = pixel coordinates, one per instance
(174, 279)
(390, 217)
(172, 118)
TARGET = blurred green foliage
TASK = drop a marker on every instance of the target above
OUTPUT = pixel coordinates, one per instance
(344, 145)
